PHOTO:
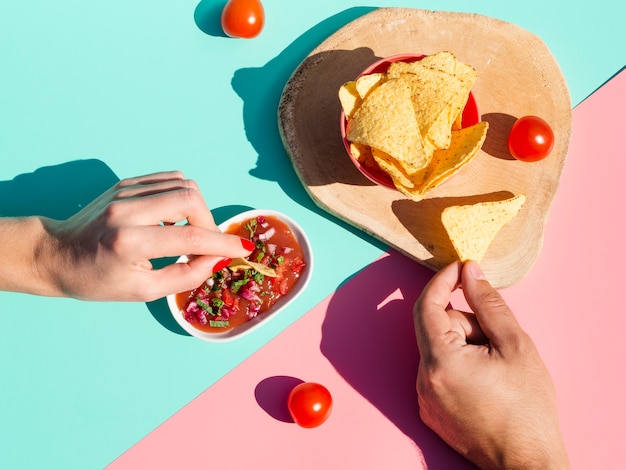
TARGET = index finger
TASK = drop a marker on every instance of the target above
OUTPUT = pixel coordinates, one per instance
(429, 314)
(169, 200)
(174, 240)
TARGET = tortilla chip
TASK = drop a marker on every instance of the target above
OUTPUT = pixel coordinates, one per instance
(458, 122)
(464, 146)
(444, 61)
(466, 73)
(473, 227)
(432, 93)
(238, 264)
(438, 95)
(364, 155)
(349, 98)
(445, 163)
(386, 121)
(367, 83)
(361, 152)
(395, 170)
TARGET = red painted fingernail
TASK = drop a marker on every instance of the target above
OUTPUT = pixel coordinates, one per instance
(221, 264)
(247, 244)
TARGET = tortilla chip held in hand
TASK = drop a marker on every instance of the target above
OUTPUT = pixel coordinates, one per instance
(473, 227)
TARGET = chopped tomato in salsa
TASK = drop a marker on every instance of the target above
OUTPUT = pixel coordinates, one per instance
(232, 296)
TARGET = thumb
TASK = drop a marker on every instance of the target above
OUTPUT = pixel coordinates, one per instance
(494, 316)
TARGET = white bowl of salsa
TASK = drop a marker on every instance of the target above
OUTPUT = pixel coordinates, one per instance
(241, 297)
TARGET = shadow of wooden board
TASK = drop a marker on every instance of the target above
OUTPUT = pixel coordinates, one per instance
(517, 76)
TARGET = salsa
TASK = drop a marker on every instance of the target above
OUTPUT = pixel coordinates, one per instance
(247, 287)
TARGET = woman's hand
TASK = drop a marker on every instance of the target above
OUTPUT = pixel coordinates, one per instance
(103, 252)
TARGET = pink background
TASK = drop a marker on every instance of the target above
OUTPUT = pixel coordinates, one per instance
(359, 342)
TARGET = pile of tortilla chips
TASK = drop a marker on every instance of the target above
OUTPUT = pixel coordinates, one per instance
(408, 121)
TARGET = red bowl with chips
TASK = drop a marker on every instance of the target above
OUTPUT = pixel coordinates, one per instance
(373, 172)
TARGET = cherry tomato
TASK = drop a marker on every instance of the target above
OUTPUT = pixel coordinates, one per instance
(531, 139)
(243, 18)
(309, 404)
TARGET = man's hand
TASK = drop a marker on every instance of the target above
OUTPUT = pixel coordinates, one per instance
(482, 386)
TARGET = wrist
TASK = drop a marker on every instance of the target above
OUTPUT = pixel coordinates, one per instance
(536, 463)
(44, 257)
(48, 259)
(521, 454)
(514, 444)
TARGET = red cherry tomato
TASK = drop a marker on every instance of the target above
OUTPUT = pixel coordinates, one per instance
(531, 139)
(309, 404)
(243, 18)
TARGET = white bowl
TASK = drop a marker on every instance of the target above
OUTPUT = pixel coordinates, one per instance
(260, 319)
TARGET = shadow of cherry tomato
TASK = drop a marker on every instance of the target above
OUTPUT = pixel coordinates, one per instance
(531, 139)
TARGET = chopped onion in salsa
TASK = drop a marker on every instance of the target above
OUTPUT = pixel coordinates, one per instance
(247, 287)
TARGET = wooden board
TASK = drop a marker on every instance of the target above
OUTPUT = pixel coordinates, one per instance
(517, 75)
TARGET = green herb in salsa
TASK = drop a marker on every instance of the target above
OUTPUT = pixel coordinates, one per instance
(247, 287)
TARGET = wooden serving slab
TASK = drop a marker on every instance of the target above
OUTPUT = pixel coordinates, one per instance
(517, 76)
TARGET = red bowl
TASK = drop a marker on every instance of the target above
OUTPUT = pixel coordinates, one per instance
(375, 174)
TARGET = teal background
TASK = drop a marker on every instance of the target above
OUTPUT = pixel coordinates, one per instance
(92, 92)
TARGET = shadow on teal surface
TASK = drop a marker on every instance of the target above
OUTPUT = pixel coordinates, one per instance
(160, 310)
(261, 88)
(57, 191)
(220, 214)
(207, 16)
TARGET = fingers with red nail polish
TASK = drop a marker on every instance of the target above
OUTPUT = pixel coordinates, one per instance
(221, 264)
(247, 244)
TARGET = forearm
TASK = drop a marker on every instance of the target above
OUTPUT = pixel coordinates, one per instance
(25, 254)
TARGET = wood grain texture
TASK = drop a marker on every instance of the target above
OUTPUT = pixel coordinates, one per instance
(517, 76)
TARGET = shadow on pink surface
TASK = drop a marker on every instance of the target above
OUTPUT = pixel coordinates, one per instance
(272, 395)
(368, 337)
